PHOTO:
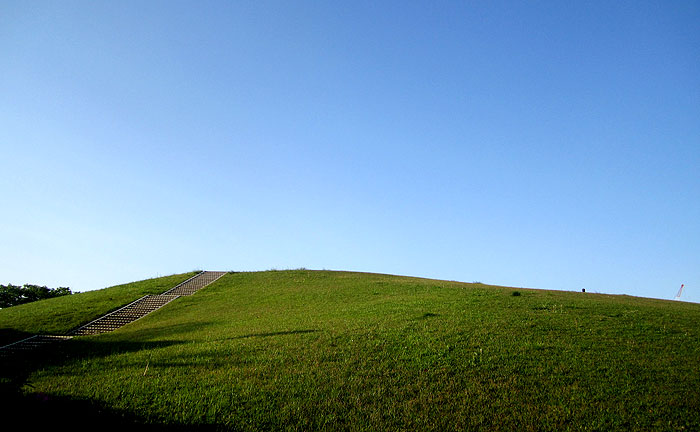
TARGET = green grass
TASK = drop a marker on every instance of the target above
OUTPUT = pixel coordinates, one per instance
(304, 350)
(59, 315)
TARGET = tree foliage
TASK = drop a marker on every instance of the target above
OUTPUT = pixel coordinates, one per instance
(12, 295)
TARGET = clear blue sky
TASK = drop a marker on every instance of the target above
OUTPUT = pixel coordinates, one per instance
(541, 144)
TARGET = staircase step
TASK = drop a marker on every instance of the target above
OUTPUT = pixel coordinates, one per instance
(125, 315)
(118, 318)
(30, 344)
(196, 283)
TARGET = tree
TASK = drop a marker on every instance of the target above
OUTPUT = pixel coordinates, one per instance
(12, 295)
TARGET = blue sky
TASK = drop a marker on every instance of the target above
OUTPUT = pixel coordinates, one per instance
(534, 144)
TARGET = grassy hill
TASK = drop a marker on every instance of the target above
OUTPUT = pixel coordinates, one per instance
(59, 315)
(338, 350)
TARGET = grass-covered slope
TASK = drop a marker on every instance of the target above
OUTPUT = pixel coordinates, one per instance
(312, 350)
(61, 314)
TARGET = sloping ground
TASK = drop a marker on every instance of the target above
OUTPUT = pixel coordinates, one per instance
(336, 350)
(57, 316)
(36, 345)
(146, 305)
(126, 315)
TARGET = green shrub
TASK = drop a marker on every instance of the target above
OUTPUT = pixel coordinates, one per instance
(12, 295)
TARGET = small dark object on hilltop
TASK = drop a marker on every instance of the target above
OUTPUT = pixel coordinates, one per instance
(583, 289)
(515, 293)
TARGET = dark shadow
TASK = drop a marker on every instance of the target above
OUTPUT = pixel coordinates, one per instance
(44, 411)
(8, 336)
(275, 333)
(17, 366)
(171, 330)
(428, 315)
(39, 411)
(90, 348)
(48, 410)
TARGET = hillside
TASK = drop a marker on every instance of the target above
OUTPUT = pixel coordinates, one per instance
(59, 315)
(338, 350)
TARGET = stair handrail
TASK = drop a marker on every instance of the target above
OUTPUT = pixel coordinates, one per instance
(105, 316)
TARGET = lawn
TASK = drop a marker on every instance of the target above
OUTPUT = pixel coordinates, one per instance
(303, 350)
(59, 315)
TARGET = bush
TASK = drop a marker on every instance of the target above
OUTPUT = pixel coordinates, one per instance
(12, 295)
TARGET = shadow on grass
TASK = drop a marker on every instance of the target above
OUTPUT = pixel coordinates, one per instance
(37, 411)
(281, 333)
(170, 331)
(9, 336)
(34, 410)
